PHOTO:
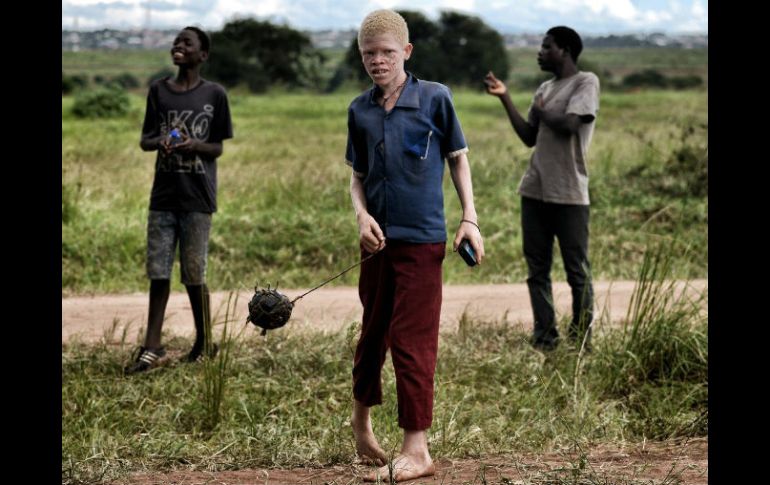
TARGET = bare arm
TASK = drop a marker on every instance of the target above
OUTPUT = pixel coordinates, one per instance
(150, 144)
(527, 133)
(460, 170)
(192, 145)
(369, 232)
(210, 150)
(564, 124)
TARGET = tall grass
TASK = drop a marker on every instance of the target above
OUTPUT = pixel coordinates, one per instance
(659, 361)
(215, 367)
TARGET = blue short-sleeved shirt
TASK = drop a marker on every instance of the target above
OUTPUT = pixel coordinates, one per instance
(402, 154)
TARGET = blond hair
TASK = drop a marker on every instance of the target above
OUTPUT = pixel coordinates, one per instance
(384, 22)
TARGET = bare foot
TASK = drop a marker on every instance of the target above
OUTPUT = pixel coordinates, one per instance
(367, 447)
(404, 467)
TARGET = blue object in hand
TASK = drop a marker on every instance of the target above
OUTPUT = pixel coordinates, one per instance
(174, 137)
(466, 252)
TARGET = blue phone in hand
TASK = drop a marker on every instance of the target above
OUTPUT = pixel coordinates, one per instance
(466, 252)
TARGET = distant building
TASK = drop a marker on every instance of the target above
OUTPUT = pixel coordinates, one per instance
(109, 39)
(331, 39)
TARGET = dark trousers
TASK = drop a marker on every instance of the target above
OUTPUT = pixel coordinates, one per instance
(540, 222)
(400, 290)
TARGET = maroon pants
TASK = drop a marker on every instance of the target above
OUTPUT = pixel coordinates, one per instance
(400, 290)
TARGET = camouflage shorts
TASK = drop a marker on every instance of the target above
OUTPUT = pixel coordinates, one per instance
(191, 229)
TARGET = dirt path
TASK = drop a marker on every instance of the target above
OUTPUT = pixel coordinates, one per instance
(90, 319)
(684, 462)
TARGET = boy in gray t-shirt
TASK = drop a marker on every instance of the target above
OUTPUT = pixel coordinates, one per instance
(554, 189)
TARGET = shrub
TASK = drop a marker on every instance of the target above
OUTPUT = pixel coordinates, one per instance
(647, 78)
(72, 83)
(105, 102)
(126, 80)
(686, 82)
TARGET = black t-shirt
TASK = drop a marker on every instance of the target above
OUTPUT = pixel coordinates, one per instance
(186, 182)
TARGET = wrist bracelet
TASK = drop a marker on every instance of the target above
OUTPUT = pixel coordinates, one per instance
(471, 222)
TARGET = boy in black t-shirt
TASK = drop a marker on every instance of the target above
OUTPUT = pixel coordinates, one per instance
(186, 120)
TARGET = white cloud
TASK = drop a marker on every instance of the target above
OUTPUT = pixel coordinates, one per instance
(654, 17)
(466, 5)
(247, 7)
(82, 3)
(697, 9)
(699, 13)
(622, 9)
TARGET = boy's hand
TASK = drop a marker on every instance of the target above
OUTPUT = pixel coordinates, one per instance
(188, 144)
(495, 86)
(369, 233)
(538, 106)
(163, 145)
(471, 233)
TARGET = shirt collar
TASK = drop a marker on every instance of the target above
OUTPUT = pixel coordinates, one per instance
(410, 95)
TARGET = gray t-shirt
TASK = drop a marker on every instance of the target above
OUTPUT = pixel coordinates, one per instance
(558, 169)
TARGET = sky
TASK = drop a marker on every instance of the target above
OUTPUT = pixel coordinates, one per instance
(596, 17)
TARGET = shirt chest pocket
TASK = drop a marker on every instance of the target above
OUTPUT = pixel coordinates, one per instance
(419, 144)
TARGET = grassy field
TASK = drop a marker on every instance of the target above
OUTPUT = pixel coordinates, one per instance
(285, 400)
(284, 209)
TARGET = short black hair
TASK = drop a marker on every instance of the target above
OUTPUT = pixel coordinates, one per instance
(203, 37)
(567, 38)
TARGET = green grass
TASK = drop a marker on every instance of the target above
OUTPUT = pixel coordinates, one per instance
(285, 214)
(287, 399)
